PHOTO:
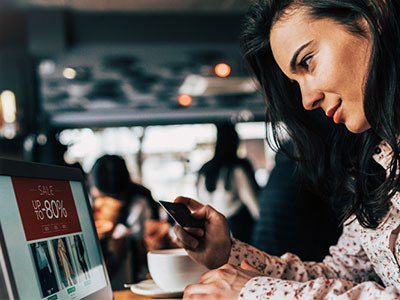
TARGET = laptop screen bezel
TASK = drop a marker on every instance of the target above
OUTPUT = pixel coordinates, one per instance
(45, 171)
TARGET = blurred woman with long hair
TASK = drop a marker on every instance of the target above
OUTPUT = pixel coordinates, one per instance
(227, 183)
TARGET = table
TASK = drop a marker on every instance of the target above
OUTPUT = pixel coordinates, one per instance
(128, 295)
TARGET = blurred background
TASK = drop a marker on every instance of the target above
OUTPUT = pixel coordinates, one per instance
(145, 80)
(149, 81)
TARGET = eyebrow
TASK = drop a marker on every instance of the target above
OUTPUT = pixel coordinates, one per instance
(295, 55)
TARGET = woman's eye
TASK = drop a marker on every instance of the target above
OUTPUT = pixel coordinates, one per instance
(305, 63)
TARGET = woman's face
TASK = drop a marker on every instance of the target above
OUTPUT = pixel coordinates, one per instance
(329, 63)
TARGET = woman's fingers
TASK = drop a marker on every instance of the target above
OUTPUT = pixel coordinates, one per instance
(207, 276)
(200, 211)
(190, 203)
(195, 231)
(216, 273)
(185, 239)
(207, 212)
(224, 283)
(198, 291)
(196, 297)
(246, 266)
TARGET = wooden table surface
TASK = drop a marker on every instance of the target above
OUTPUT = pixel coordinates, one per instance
(128, 295)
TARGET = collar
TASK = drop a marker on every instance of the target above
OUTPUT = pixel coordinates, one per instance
(383, 155)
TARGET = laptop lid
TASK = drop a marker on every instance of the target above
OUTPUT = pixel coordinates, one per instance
(49, 247)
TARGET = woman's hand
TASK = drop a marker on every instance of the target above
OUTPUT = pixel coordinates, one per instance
(223, 283)
(210, 247)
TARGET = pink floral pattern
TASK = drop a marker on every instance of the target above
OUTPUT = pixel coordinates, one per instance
(363, 265)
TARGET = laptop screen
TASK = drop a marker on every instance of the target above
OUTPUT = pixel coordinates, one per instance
(51, 244)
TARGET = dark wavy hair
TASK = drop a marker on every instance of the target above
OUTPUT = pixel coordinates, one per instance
(225, 155)
(338, 162)
(110, 175)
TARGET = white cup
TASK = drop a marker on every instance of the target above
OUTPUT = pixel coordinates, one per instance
(172, 269)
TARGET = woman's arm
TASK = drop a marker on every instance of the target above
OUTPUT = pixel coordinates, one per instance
(346, 274)
(263, 288)
(246, 191)
(347, 260)
(288, 266)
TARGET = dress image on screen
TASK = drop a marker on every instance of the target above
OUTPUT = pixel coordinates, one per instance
(64, 262)
(44, 268)
(80, 255)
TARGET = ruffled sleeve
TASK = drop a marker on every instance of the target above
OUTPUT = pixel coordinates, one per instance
(267, 288)
(346, 274)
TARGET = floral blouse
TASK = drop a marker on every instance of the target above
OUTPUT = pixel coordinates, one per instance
(363, 265)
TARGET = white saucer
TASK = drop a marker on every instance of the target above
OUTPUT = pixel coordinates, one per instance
(150, 288)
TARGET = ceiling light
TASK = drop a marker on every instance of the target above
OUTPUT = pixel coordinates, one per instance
(9, 107)
(69, 73)
(196, 85)
(47, 67)
(185, 100)
(222, 70)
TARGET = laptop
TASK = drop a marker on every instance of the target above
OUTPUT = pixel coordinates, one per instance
(49, 247)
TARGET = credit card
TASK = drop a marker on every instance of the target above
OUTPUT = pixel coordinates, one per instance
(181, 214)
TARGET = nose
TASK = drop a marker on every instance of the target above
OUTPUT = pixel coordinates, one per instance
(311, 96)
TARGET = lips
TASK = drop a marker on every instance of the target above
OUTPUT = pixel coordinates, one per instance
(338, 114)
(335, 112)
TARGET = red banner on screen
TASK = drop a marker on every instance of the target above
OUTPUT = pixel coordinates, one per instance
(47, 207)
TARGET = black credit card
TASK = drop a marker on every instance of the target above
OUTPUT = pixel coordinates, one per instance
(181, 214)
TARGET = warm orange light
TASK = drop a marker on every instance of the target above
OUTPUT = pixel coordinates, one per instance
(185, 100)
(222, 70)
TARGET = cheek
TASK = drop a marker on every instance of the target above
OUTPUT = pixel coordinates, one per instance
(329, 71)
(354, 70)
(339, 72)
(329, 79)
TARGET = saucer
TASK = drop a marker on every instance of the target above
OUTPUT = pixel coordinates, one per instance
(150, 288)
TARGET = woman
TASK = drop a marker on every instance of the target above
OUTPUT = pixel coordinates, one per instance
(316, 60)
(227, 183)
(128, 206)
(110, 177)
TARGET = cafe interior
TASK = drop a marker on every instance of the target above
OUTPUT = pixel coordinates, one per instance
(149, 82)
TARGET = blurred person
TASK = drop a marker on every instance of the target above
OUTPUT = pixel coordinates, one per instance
(121, 208)
(227, 183)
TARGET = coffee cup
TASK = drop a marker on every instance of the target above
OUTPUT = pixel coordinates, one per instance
(172, 269)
